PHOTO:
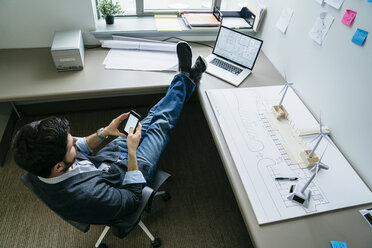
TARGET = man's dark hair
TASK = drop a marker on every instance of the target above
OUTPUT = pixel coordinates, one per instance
(40, 145)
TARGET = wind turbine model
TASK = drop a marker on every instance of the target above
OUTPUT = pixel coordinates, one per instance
(309, 156)
(279, 110)
(302, 195)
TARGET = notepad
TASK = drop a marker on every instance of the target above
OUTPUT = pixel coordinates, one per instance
(348, 17)
(359, 37)
(200, 20)
(167, 23)
(338, 244)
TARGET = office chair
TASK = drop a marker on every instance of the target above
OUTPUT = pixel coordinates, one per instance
(124, 228)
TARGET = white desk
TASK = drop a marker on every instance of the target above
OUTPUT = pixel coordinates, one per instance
(29, 75)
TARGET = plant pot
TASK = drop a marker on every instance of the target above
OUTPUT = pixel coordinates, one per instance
(109, 19)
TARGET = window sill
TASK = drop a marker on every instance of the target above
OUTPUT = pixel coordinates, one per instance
(145, 27)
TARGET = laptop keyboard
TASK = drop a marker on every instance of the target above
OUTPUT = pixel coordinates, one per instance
(226, 66)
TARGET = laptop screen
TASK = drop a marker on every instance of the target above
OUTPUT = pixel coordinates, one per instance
(237, 47)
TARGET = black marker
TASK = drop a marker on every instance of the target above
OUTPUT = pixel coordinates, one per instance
(287, 178)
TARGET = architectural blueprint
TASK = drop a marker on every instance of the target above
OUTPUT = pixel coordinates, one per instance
(259, 155)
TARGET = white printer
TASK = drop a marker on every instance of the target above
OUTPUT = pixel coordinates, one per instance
(68, 50)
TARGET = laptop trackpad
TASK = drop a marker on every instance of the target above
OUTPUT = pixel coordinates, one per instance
(226, 70)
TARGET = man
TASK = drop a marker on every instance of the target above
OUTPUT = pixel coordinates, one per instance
(103, 189)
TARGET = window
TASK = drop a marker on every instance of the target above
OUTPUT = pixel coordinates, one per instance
(128, 6)
(151, 5)
(144, 7)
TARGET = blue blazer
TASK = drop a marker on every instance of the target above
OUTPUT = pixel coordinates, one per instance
(95, 197)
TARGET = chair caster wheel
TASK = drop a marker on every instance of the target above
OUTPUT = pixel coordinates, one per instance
(102, 246)
(166, 196)
(156, 243)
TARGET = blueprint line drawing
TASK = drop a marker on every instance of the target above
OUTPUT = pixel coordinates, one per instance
(259, 154)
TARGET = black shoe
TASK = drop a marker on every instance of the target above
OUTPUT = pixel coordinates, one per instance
(198, 69)
(184, 55)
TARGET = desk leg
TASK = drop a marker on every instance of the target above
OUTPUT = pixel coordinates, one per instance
(15, 110)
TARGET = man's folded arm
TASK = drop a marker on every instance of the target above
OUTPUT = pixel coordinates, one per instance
(109, 203)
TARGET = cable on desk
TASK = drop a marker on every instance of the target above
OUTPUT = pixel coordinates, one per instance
(91, 46)
(199, 43)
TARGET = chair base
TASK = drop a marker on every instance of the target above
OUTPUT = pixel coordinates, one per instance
(155, 242)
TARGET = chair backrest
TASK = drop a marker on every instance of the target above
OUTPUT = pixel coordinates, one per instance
(28, 182)
(125, 226)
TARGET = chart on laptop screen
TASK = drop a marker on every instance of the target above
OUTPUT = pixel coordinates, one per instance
(237, 47)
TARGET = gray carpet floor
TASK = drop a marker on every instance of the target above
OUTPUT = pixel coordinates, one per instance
(201, 213)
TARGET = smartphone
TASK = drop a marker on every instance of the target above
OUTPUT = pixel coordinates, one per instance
(132, 121)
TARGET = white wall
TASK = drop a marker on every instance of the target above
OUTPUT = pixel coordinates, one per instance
(334, 78)
(32, 23)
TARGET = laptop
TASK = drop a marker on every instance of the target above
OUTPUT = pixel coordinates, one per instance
(234, 55)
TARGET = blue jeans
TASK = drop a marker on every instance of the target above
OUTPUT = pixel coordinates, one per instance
(159, 122)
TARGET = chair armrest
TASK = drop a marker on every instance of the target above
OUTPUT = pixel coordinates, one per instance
(124, 228)
(159, 179)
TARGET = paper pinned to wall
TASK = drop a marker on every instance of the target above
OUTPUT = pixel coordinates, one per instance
(321, 27)
(348, 17)
(284, 19)
(334, 3)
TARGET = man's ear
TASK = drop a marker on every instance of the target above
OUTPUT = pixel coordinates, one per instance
(57, 168)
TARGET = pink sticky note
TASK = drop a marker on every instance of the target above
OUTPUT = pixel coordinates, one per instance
(349, 17)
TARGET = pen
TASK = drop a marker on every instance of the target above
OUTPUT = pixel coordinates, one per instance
(287, 178)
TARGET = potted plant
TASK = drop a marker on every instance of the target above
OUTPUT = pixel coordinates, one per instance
(109, 9)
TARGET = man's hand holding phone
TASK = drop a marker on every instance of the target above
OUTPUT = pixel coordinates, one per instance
(133, 130)
(112, 128)
(134, 138)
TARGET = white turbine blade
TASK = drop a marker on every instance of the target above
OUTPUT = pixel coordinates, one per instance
(320, 122)
(329, 141)
(316, 167)
(324, 166)
(315, 138)
(286, 83)
(285, 86)
(323, 153)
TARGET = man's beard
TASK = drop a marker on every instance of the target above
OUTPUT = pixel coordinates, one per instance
(67, 165)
